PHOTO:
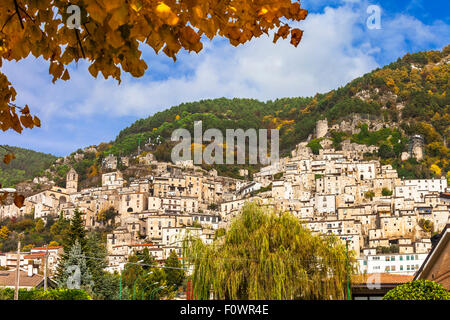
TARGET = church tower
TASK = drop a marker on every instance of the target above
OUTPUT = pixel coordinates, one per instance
(72, 181)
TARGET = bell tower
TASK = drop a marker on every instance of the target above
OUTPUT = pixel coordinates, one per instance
(72, 181)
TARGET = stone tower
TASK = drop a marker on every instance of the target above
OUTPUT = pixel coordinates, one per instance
(416, 146)
(321, 128)
(72, 181)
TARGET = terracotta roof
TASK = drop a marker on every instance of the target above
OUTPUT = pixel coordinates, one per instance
(8, 279)
(384, 278)
(34, 255)
(43, 248)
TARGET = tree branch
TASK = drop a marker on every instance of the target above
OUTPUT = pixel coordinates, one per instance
(7, 20)
(79, 42)
(24, 11)
(18, 13)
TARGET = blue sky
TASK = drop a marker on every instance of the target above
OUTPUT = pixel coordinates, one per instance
(337, 46)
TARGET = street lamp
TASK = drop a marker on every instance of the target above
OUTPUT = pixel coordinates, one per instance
(121, 273)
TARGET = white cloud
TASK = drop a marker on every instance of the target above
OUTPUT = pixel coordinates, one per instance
(260, 69)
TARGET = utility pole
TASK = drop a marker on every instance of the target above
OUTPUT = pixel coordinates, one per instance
(16, 290)
(347, 239)
(45, 267)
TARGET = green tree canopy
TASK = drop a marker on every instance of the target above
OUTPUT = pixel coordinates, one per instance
(418, 290)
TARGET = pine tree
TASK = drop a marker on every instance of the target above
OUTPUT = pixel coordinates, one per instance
(75, 273)
(97, 262)
(75, 234)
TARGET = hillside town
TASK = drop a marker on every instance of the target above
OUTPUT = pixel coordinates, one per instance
(386, 220)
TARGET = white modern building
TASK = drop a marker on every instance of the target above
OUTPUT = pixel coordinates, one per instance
(392, 263)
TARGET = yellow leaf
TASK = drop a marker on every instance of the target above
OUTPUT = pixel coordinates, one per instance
(163, 8)
(136, 6)
(262, 11)
(198, 11)
(166, 14)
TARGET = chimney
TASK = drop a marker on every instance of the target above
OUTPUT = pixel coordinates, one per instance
(30, 270)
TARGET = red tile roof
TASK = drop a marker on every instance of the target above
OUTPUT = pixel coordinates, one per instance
(8, 279)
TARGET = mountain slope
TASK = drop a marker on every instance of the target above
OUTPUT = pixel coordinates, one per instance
(26, 165)
(412, 93)
(411, 96)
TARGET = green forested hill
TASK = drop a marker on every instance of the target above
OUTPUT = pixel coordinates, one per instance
(26, 165)
(413, 92)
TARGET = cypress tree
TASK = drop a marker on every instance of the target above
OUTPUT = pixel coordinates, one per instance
(173, 276)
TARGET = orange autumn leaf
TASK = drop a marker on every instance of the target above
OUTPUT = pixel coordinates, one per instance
(25, 110)
(27, 121)
(65, 75)
(8, 157)
(19, 200)
(36, 121)
(296, 36)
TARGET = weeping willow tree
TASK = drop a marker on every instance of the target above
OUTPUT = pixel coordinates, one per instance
(268, 256)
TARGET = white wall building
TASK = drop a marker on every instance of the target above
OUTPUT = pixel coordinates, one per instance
(392, 263)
